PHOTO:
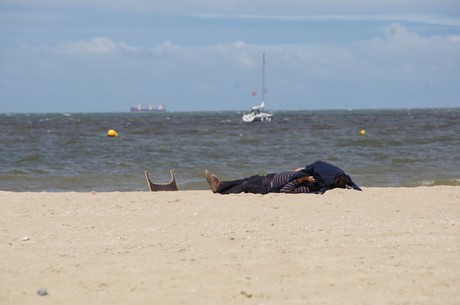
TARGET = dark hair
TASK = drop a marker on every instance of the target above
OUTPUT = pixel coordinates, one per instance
(341, 181)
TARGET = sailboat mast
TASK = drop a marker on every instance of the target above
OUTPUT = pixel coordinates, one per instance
(263, 77)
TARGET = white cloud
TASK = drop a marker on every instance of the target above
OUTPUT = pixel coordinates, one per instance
(407, 57)
(166, 47)
(397, 17)
(96, 45)
(454, 38)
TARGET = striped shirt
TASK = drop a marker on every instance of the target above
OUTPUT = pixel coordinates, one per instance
(284, 179)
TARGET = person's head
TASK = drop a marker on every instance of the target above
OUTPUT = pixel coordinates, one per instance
(341, 181)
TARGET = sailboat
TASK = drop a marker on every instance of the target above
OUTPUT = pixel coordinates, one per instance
(257, 114)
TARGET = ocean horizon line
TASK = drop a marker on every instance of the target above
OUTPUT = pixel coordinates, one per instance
(235, 110)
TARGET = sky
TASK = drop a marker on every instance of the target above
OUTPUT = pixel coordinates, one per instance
(201, 55)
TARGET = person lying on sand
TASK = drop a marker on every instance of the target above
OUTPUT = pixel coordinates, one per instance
(314, 178)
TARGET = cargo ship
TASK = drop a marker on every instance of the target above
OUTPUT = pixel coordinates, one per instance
(150, 108)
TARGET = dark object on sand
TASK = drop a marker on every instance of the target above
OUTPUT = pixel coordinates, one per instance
(157, 187)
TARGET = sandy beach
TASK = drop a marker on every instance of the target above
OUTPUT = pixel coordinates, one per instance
(379, 246)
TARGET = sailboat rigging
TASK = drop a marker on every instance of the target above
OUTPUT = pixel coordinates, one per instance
(257, 114)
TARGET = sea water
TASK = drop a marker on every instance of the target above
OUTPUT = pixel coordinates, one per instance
(72, 152)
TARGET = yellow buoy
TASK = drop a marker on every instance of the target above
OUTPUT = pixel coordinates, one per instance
(112, 133)
(362, 132)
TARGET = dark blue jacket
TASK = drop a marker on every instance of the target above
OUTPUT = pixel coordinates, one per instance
(325, 175)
